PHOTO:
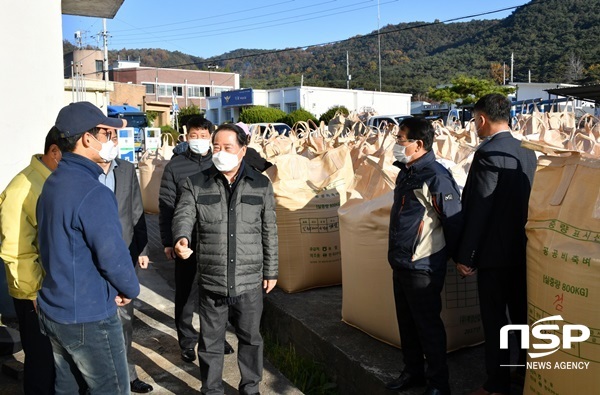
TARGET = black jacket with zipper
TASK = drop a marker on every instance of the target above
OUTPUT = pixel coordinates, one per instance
(237, 245)
(425, 220)
(176, 171)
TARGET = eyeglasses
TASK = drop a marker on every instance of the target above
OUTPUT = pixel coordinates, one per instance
(109, 135)
(402, 140)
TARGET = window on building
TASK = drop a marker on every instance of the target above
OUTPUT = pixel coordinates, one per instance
(99, 66)
(197, 91)
(167, 90)
(275, 105)
(149, 88)
(289, 107)
(217, 90)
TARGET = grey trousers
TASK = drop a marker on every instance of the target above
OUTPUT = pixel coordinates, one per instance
(245, 316)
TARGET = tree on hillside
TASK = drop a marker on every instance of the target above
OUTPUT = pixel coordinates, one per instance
(499, 72)
(591, 75)
(575, 68)
(468, 90)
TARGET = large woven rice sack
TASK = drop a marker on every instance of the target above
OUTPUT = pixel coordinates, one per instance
(308, 193)
(368, 297)
(563, 272)
(151, 167)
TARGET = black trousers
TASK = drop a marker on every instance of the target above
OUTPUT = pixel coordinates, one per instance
(501, 289)
(186, 297)
(245, 316)
(39, 360)
(422, 332)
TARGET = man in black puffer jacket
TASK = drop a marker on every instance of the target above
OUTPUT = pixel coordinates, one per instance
(194, 159)
(231, 209)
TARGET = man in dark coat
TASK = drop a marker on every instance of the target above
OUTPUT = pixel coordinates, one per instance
(120, 177)
(196, 158)
(424, 222)
(493, 240)
(231, 208)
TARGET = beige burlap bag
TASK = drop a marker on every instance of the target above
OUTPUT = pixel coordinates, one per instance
(563, 271)
(308, 193)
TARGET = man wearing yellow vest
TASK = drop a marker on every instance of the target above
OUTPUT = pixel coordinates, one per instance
(24, 271)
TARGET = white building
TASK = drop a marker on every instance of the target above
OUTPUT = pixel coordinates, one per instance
(537, 90)
(317, 100)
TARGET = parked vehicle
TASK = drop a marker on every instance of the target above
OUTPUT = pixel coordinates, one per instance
(136, 119)
(380, 121)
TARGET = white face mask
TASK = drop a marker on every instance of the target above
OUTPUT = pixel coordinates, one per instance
(109, 150)
(400, 153)
(199, 146)
(224, 161)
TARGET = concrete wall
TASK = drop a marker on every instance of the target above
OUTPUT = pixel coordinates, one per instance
(85, 63)
(319, 100)
(32, 80)
(316, 100)
(132, 94)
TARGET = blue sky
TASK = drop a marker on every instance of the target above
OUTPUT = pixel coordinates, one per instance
(209, 28)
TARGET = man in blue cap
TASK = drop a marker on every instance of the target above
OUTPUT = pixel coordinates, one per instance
(88, 266)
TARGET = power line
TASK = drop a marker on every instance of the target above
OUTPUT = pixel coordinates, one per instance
(245, 18)
(262, 25)
(217, 59)
(207, 17)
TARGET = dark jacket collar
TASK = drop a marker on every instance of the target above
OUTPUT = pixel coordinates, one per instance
(245, 172)
(81, 161)
(419, 164)
(197, 157)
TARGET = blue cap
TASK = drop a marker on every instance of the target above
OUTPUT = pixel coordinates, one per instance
(78, 118)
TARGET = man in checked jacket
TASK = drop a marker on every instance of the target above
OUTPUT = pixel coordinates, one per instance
(424, 224)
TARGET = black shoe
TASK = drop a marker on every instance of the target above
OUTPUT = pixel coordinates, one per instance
(435, 391)
(405, 381)
(188, 355)
(140, 387)
(228, 349)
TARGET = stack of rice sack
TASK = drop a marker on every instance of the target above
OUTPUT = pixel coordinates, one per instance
(563, 252)
(310, 180)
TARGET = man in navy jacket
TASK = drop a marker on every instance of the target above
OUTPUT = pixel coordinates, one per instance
(424, 222)
(88, 266)
(492, 244)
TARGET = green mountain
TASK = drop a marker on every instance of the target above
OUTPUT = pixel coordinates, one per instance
(556, 40)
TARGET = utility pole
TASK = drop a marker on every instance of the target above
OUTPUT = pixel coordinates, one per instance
(512, 66)
(379, 44)
(348, 76)
(105, 62)
(504, 73)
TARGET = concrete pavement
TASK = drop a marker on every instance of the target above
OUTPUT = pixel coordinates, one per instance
(310, 321)
(156, 352)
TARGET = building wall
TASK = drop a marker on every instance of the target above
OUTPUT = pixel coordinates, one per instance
(316, 100)
(33, 88)
(85, 63)
(130, 94)
(214, 81)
